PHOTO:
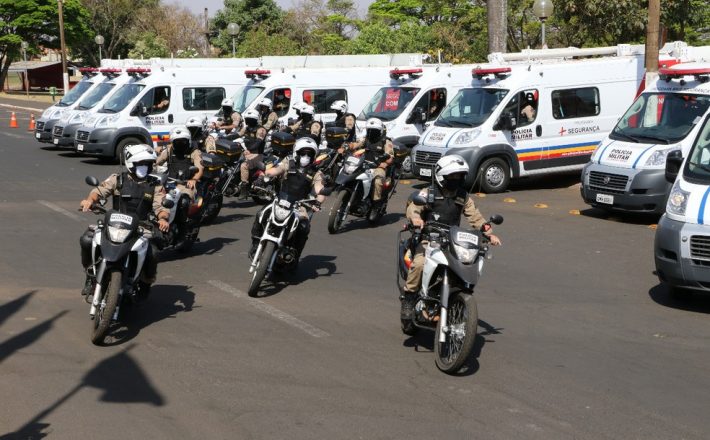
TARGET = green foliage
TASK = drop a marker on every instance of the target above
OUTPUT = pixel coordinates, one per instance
(377, 37)
(262, 16)
(149, 45)
(259, 42)
(687, 20)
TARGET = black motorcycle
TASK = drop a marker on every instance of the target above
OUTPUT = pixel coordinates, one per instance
(185, 215)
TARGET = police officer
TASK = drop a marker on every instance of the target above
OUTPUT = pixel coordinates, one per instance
(306, 126)
(254, 139)
(343, 119)
(130, 192)
(196, 127)
(267, 117)
(299, 178)
(450, 200)
(378, 149)
(230, 119)
(180, 156)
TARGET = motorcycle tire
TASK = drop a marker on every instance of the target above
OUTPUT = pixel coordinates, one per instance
(104, 315)
(337, 214)
(213, 208)
(262, 266)
(451, 354)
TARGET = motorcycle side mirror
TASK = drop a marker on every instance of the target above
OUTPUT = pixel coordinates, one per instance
(418, 199)
(673, 162)
(168, 204)
(325, 191)
(91, 181)
(160, 179)
(496, 219)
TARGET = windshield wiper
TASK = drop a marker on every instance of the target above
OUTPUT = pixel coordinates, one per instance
(701, 166)
(655, 138)
(81, 107)
(108, 110)
(628, 137)
(442, 123)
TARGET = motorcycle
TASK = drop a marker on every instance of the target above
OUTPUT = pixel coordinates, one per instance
(352, 191)
(118, 252)
(280, 221)
(445, 304)
(185, 216)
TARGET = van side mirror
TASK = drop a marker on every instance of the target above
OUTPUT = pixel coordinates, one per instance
(91, 181)
(418, 116)
(139, 110)
(507, 122)
(673, 162)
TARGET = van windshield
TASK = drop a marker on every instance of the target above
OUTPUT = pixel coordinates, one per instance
(697, 167)
(661, 118)
(388, 103)
(122, 98)
(246, 96)
(470, 107)
(94, 96)
(75, 93)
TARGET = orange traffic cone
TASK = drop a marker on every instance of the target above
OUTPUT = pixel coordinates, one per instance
(13, 121)
(31, 127)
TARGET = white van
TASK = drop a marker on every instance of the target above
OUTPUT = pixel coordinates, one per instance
(682, 245)
(91, 77)
(626, 173)
(319, 81)
(535, 112)
(153, 101)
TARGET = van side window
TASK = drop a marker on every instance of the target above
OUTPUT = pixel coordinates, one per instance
(575, 103)
(432, 103)
(157, 100)
(281, 100)
(321, 100)
(202, 98)
(523, 107)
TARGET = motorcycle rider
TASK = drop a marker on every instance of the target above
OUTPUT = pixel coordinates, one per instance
(299, 179)
(343, 119)
(447, 200)
(378, 148)
(131, 192)
(230, 119)
(180, 156)
(196, 126)
(306, 126)
(267, 117)
(254, 144)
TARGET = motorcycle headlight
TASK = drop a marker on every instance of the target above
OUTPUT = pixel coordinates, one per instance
(77, 118)
(118, 235)
(677, 200)
(467, 136)
(464, 255)
(106, 121)
(282, 209)
(349, 168)
(658, 158)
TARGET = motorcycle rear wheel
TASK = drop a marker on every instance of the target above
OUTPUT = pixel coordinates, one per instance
(462, 321)
(104, 315)
(262, 266)
(337, 212)
(212, 209)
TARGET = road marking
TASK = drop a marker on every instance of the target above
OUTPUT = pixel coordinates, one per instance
(575, 212)
(270, 310)
(540, 205)
(509, 200)
(59, 209)
(15, 135)
(29, 109)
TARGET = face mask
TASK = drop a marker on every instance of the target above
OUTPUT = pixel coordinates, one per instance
(306, 117)
(304, 161)
(452, 184)
(181, 148)
(141, 171)
(373, 135)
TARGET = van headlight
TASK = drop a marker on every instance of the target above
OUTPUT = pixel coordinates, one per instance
(47, 113)
(106, 121)
(658, 158)
(78, 118)
(677, 200)
(66, 116)
(467, 136)
(464, 255)
(118, 235)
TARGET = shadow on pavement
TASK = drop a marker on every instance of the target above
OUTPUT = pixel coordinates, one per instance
(547, 181)
(355, 223)
(120, 379)
(310, 267)
(10, 308)
(207, 247)
(221, 219)
(629, 218)
(689, 302)
(28, 337)
(165, 301)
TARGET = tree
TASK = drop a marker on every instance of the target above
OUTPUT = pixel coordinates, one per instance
(259, 43)
(36, 21)
(598, 22)
(250, 15)
(686, 20)
(497, 25)
(377, 37)
(177, 27)
(149, 45)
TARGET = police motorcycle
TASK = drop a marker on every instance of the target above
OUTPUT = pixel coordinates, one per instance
(185, 215)
(454, 261)
(330, 158)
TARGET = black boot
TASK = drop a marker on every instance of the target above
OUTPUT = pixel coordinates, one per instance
(408, 300)
(243, 190)
(88, 291)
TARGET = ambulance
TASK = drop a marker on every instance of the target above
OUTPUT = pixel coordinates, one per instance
(318, 81)
(91, 78)
(682, 244)
(157, 97)
(627, 172)
(534, 112)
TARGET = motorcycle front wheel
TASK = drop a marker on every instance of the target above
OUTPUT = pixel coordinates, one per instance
(262, 265)
(107, 306)
(462, 322)
(337, 212)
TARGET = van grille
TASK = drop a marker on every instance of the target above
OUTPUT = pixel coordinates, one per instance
(40, 125)
(608, 183)
(426, 158)
(58, 130)
(700, 247)
(82, 136)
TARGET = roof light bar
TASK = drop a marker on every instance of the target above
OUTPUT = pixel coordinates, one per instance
(499, 72)
(701, 74)
(91, 71)
(138, 71)
(257, 74)
(111, 71)
(396, 73)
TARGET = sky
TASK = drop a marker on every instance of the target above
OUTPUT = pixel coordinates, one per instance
(198, 6)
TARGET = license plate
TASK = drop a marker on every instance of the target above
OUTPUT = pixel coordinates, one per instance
(605, 198)
(38, 135)
(425, 172)
(80, 147)
(467, 237)
(56, 141)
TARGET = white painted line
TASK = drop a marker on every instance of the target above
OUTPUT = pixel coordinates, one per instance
(29, 109)
(270, 310)
(60, 210)
(15, 135)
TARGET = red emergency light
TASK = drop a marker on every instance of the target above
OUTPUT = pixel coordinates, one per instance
(396, 73)
(701, 74)
(111, 71)
(90, 71)
(138, 71)
(257, 74)
(499, 72)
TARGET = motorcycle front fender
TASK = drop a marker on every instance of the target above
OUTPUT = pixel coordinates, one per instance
(345, 179)
(468, 273)
(115, 252)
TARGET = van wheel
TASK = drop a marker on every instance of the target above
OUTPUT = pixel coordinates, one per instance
(122, 145)
(494, 175)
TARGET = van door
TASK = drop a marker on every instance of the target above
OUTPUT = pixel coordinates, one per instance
(427, 109)
(321, 100)
(160, 113)
(527, 138)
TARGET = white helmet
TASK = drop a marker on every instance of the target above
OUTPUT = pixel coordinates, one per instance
(227, 102)
(194, 122)
(448, 165)
(251, 114)
(302, 146)
(374, 129)
(266, 102)
(339, 106)
(298, 106)
(139, 154)
(179, 132)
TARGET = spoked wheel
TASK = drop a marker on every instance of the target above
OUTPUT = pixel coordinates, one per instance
(462, 323)
(337, 212)
(212, 209)
(107, 307)
(262, 265)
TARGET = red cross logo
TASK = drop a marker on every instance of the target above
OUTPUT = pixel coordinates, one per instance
(562, 131)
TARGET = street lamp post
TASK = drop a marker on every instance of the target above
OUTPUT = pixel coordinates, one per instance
(65, 75)
(543, 10)
(24, 45)
(233, 30)
(99, 39)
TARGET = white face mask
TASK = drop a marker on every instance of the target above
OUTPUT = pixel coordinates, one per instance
(141, 171)
(304, 160)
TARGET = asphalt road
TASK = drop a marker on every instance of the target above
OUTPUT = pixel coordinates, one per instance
(577, 340)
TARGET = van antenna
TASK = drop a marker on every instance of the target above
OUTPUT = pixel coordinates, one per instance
(439, 56)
